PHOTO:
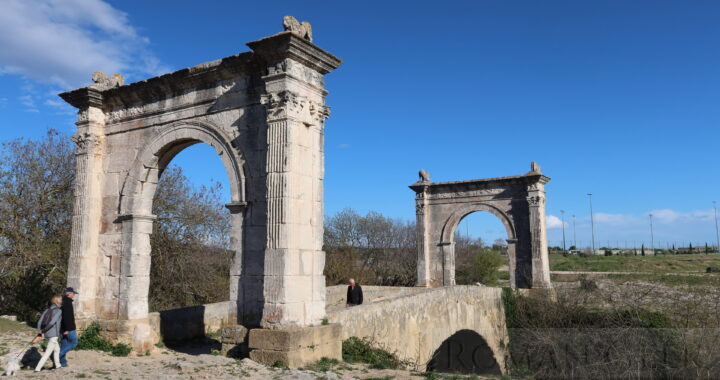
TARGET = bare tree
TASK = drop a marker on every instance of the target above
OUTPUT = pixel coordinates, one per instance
(373, 249)
(36, 184)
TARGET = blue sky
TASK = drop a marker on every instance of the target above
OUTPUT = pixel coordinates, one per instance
(616, 98)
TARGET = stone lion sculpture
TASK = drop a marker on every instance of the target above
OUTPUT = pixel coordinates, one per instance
(104, 81)
(424, 175)
(300, 29)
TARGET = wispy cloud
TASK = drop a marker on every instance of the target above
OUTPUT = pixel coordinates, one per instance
(661, 216)
(61, 42)
(553, 222)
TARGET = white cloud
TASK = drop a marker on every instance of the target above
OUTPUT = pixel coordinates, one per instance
(553, 222)
(672, 216)
(614, 219)
(62, 42)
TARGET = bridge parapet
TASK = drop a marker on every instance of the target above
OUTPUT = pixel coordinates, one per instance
(424, 328)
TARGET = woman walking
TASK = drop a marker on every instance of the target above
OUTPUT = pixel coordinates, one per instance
(49, 328)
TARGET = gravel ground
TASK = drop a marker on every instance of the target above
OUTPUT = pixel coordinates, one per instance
(164, 363)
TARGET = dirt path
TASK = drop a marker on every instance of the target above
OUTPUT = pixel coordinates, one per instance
(167, 364)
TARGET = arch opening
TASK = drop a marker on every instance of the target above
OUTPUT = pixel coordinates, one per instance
(170, 233)
(480, 243)
(467, 352)
(190, 243)
(190, 255)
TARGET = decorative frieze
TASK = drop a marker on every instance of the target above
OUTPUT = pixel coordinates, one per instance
(535, 200)
(87, 142)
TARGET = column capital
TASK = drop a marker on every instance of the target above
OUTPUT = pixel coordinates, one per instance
(236, 207)
(535, 200)
(128, 217)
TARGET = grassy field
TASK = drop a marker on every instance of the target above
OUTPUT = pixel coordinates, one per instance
(650, 264)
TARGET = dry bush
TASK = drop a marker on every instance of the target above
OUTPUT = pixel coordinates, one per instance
(372, 249)
(36, 185)
(575, 338)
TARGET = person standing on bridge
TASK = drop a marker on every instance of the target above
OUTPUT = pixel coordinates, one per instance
(354, 294)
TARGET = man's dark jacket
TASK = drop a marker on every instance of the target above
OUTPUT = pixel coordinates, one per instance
(68, 315)
(354, 295)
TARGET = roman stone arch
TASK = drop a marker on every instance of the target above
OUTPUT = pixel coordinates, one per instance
(519, 203)
(137, 192)
(263, 112)
(157, 154)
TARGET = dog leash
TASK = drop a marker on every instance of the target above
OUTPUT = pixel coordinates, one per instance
(25, 348)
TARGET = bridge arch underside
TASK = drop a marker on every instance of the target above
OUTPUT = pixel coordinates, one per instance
(518, 202)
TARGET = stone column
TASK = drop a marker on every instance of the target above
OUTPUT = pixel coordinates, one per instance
(423, 263)
(135, 267)
(237, 211)
(294, 99)
(87, 210)
(512, 261)
(538, 236)
(448, 262)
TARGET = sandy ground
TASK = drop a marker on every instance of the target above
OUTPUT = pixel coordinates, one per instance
(168, 364)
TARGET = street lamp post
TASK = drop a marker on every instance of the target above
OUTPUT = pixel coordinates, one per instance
(574, 235)
(717, 234)
(652, 239)
(562, 215)
(592, 224)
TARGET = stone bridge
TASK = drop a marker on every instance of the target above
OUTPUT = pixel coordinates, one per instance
(459, 328)
(448, 329)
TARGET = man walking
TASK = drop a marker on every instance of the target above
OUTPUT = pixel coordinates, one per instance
(67, 326)
(354, 294)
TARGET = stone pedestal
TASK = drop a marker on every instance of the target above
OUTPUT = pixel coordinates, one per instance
(234, 341)
(296, 347)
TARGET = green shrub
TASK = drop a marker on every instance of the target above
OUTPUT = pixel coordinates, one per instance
(356, 350)
(91, 339)
(324, 364)
(483, 268)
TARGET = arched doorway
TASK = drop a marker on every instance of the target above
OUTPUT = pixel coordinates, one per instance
(480, 241)
(136, 204)
(519, 203)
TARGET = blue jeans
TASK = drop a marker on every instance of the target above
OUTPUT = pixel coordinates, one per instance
(69, 342)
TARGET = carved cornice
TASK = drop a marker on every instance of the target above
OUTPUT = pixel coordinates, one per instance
(82, 98)
(267, 52)
(288, 45)
(520, 181)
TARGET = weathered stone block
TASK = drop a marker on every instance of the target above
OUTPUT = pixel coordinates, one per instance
(294, 338)
(298, 358)
(296, 347)
(233, 334)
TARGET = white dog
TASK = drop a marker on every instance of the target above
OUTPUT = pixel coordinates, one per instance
(13, 365)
